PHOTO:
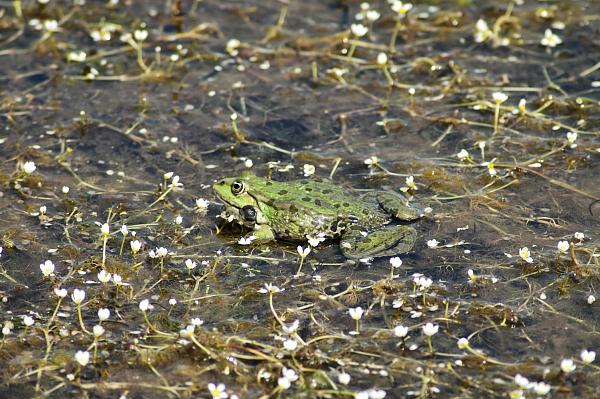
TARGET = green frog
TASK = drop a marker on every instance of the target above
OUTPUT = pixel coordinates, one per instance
(315, 210)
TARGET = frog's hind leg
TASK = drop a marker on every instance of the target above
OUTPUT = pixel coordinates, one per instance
(397, 206)
(385, 241)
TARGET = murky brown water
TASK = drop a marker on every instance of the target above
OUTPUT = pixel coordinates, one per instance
(107, 111)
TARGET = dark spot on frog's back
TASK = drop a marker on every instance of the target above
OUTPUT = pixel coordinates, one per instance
(327, 191)
(269, 183)
(334, 226)
(345, 204)
(282, 192)
(306, 199)
(318, 202)
(293, 209)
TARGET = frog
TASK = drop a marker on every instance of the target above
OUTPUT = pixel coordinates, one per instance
(317, 209)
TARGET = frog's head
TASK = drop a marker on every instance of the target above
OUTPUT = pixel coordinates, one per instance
(234, 192)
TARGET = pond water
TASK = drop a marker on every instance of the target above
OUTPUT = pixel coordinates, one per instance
(118, 279)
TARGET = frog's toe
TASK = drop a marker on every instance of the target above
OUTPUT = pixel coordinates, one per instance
(387, 241)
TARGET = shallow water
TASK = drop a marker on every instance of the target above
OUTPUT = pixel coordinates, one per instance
(111, 122)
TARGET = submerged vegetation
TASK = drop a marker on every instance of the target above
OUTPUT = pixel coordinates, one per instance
(118, 280)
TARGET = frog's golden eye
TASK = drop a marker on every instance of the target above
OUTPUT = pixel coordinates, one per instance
(238, 187)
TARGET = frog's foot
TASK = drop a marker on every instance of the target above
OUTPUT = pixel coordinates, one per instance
(397, 206)
(385, 241)
(260, 235)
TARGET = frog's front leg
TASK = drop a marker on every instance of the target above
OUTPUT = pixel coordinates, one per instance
(358, 243)
(397, 206)
(261, 234)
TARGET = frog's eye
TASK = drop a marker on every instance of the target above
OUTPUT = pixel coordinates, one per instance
(238, 187)
(249, 213)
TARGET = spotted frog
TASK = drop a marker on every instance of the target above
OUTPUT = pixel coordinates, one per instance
(312, 209)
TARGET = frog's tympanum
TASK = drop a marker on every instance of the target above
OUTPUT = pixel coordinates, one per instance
(303, 209)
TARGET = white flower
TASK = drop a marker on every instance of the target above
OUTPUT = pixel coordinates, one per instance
(396, 262)
(60, 292)
(135, 246)
(373, 160)
(359, 30)
(190, 264)
(499, 97)
(430, 329)
(400, 331)
(373, 15)
(401, 8)
(361, 395)
(591, 299)
(541, 388)
(463, 154)
(563, 246)
(344, 378)
(246, 240)
(270, 288)
(82, 357)
(313, 241)
(410, 182)
(145, 305)
(588, 356)
(567, 366)
(175, 182)
(522, 382)
(124, 230)
(283, 383)
(98, 330)
(78, 296)
(290, 374)
(432, 243)
(217, 391)
(482, 31)
(525, 254)
(550, 39)
(105, 229)
(471, 275)
(104, 276)
(202, 204)
(292, 328)
(47, 268)
(462, 343)
(188, 331)
(65, 189)
(232, 46)
(103, 314)
(162, 252)
(117, 279)
(571, 137)
(28, 321)
(140, 35)
(290, 344)
(309, 170)
(303, 252)
(76, 56)
(178, 219)
(382, 59)
(377, 394)
(579, 236)
(29, 167)
(356, 313)
(423, 282)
